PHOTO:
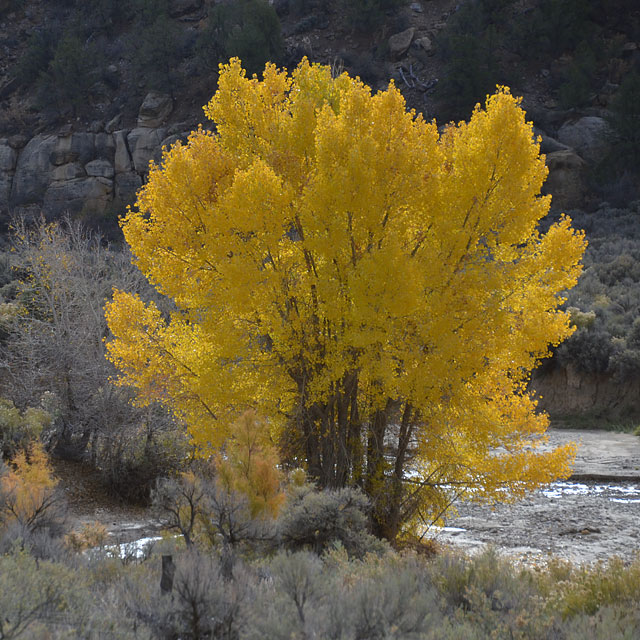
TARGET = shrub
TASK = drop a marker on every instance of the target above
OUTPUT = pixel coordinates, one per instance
(625, 120)
(53, 357)
(28, 493)
(182, 502)
(247, 29)
(34, 595)
(40, 49)
(202, 604)
(580, 79)
(90, 536)
(366, 14)
(289, 604)
(131, 460)
(19, 429)
(156, 51)
(553, 27)
(70, 74)
(203, 509)
(393, 599)
(590, 351)
(468, 47)
(250, 466)
(317, 520)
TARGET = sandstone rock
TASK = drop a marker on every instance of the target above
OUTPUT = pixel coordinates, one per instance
(589, 136)
(8, 156)
(33, 170)
(145, 145)
(96, 126)
(170, 140)
(6, 180)
(426, 44)
(100, 168)
(127, 185)
(18, 141)
(155, 109)
(566, 181)
(399, 43)
(122, 160)
(416, 6)
(549, 144)
(113, 124)
(105, 147)
(76, 147)
(78, 195)
(68, 171)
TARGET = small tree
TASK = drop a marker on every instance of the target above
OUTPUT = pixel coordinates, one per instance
(28, 493)
(378, 291)
(54, 353)
(249, 466)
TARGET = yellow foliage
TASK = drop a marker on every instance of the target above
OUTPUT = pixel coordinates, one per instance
(358, 279)
(249, 466)
(27, 487)
(91, 535)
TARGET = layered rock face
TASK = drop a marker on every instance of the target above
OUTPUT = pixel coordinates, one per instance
(564, 392)
(85, 172)
(101, 170)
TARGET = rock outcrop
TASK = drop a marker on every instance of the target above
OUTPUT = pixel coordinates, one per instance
(590, 137)
(85, 172)
(567, 179)
(566, 392)
(400, 42)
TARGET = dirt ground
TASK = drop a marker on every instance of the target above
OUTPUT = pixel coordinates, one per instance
(591, 517)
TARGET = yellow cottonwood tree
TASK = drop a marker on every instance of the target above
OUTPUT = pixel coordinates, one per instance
(376, 290)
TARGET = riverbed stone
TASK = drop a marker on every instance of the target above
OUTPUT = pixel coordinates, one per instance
(567, 179)
(6, 180)
(105, 147)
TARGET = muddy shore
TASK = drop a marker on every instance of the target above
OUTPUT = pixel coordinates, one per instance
(591, 517)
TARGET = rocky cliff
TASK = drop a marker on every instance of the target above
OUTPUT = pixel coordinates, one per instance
(93, 163)
(86, 172)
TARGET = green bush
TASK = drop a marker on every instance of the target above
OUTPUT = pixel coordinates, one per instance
(581, 78)
(19, 428)
(70, 74)
(367, 14)
(317, 520)
(553, 27)
(625, 121)
(156, 51)
(40, 49)
(248, 29)
(468, 47)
